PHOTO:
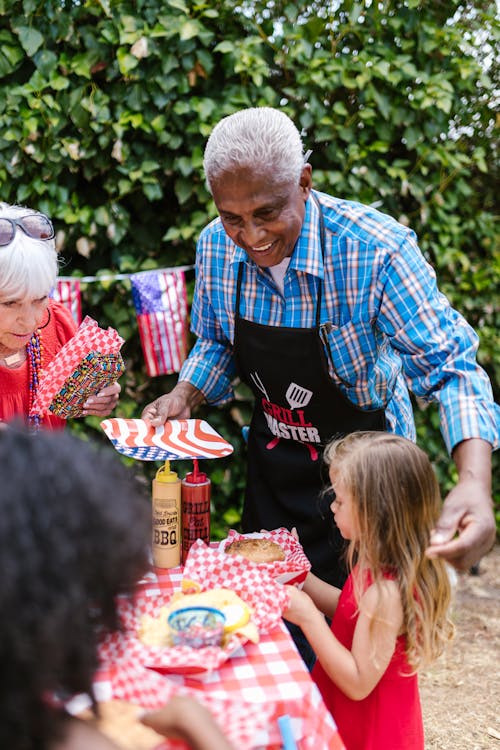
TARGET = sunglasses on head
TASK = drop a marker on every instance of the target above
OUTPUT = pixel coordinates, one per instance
(36, 226)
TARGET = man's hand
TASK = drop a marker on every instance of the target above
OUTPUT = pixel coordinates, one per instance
(466, 529)
(177, 404)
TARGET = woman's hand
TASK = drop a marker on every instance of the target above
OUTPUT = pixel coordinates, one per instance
(103, 402)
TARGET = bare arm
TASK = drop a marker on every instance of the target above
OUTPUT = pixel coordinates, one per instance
(179, 404)
(182, 718)
(466, 528)
(324, 595)
(358, 671)
(187, 719)
(82, 735)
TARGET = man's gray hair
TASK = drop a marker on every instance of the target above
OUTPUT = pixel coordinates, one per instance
(259, 138)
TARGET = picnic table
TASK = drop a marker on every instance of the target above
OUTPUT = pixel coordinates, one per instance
(247, 693)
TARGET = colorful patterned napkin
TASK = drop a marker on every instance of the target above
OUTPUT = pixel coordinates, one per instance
(94, 373)
(86, 364)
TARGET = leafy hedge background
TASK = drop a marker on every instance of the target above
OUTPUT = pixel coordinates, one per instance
(105, 108)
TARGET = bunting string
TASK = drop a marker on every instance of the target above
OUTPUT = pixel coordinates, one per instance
(122, 276)
(160, 302)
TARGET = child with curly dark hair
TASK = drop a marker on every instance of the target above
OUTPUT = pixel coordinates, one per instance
(75, 532)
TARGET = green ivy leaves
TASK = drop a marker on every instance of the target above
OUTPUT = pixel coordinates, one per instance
(105, 108)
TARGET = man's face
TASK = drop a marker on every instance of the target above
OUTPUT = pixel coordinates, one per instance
(262, 216)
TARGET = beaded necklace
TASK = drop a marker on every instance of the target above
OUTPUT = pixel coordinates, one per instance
(34, 350)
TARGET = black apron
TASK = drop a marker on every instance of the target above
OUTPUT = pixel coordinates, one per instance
(298, 409)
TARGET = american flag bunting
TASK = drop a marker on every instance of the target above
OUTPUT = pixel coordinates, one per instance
(160, 302)
(67, 291)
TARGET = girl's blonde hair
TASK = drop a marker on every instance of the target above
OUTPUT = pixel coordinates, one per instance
(397, 503)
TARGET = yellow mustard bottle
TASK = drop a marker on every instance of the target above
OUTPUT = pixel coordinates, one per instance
(166, 543)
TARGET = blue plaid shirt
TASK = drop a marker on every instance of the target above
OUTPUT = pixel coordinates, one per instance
(386, 327)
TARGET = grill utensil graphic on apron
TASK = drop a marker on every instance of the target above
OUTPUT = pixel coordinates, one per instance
(258, 382)
(297, 396)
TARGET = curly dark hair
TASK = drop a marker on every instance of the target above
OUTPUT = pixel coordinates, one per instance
(74, 532)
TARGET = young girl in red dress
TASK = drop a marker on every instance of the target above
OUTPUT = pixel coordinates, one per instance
(391, 617)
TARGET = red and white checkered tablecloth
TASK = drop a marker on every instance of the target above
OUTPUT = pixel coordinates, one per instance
(247, 693)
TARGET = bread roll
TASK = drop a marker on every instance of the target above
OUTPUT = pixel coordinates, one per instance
(118, 721)
(256, 550)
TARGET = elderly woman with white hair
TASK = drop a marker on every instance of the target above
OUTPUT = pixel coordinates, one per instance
(33, 327)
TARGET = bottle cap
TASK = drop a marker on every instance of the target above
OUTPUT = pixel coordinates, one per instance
(165, 475)
(196, 476)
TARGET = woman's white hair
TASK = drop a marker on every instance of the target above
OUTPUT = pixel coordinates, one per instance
(28, 267)
(259, 138)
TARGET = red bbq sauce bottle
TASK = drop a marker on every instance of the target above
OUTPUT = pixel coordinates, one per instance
(195, 509)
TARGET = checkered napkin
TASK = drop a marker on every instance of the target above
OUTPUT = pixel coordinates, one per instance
(86, 364)
(174, 659)
(293, 569)
(131, 682)
(210, 568)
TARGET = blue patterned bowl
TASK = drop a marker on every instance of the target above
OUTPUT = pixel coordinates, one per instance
(197, 627)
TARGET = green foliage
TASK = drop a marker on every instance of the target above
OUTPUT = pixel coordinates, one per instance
(106, 106)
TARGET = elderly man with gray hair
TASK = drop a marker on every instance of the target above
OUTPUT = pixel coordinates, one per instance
(327, 309)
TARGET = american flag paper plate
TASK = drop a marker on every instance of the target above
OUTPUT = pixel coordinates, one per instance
(176, 439)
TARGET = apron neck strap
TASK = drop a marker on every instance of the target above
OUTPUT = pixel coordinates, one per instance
(238, 287)
(322, 243)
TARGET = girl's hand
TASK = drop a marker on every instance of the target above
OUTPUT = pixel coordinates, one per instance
(300, 606)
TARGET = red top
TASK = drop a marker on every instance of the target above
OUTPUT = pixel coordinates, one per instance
(390, 718)
(14, 383)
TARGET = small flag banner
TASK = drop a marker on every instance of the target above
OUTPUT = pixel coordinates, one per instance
(160, 302)
(68, 292)
(176, 439)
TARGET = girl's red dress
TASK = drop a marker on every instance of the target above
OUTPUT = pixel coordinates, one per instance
(390, 718)
(14, 383)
